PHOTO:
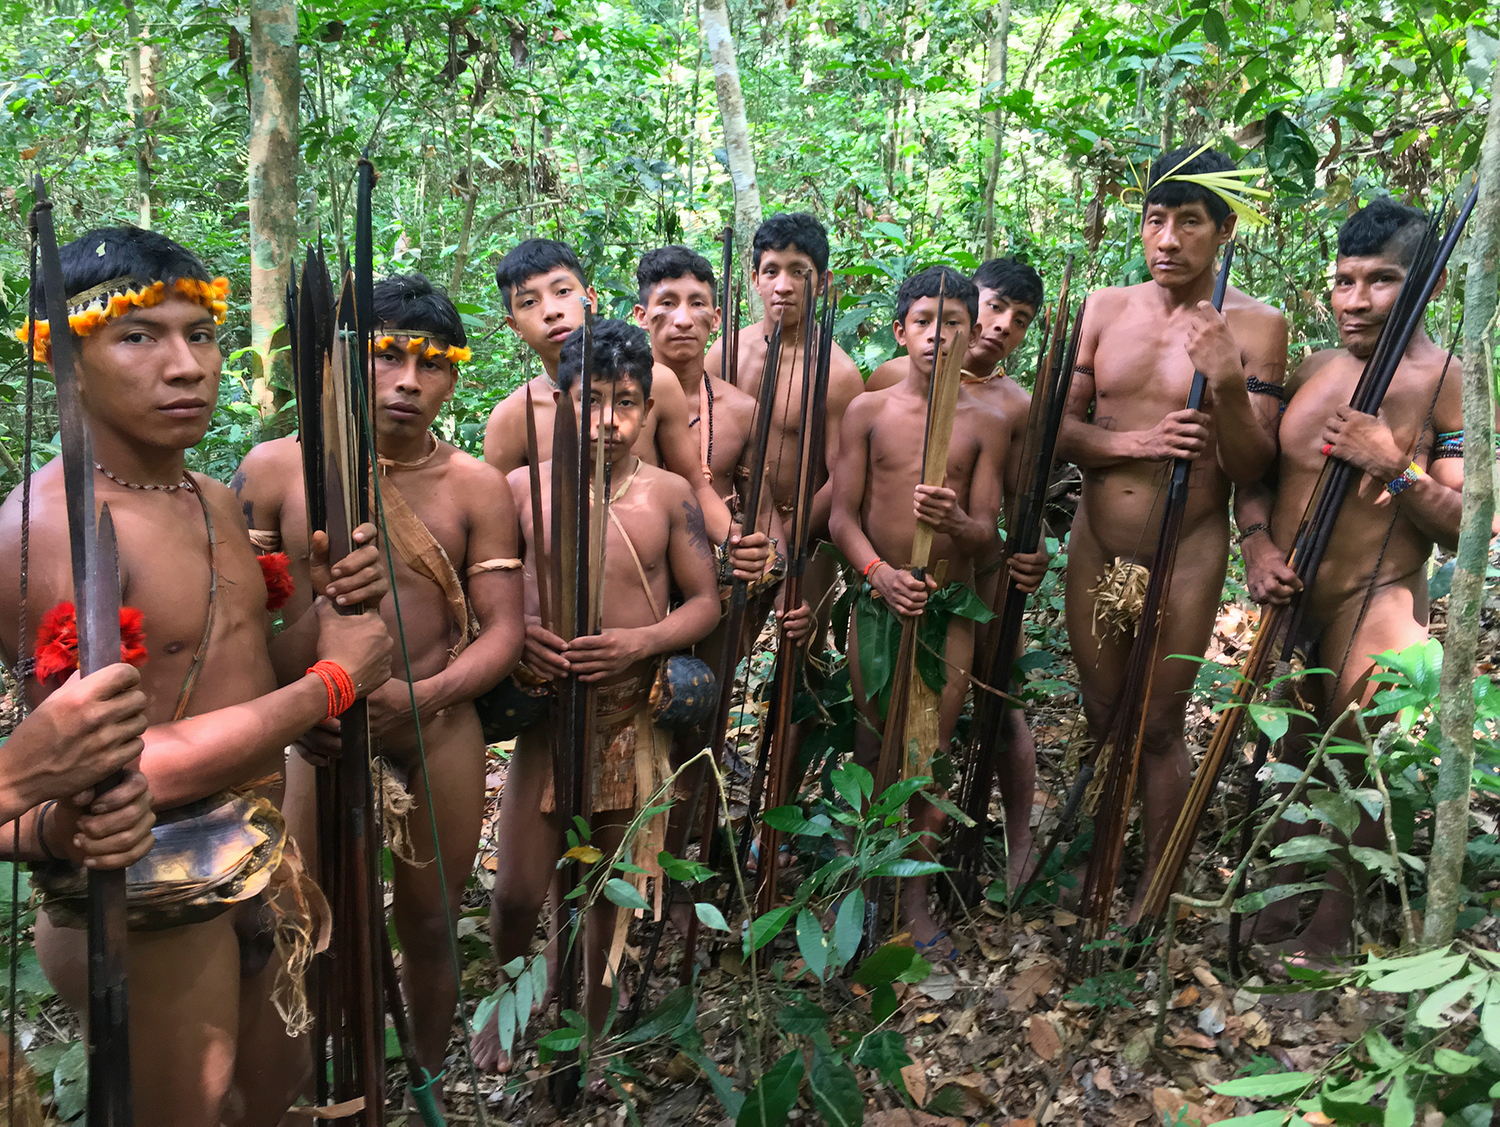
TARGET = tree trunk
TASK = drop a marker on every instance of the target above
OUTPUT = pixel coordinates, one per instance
(994, 76)
(747, 212)
(1450, 832)
(140, 92)
(274, 87)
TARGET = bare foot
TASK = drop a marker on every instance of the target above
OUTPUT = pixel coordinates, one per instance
(930, 940)
(485, 1047)
(1305, 952)
(1021, 857)
(1273, 924)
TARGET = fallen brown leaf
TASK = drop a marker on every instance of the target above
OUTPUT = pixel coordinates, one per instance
(1105, 1082)
(1029, 984)
(1185, 997)
(901, 1117)
(1043, 1037)
(914, 1076)
(1190, 1039)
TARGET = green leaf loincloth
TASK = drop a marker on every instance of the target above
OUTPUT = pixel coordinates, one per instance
(879, 633)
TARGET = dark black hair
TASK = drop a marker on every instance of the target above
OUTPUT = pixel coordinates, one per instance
(533, 257)
(799, 229)
(665, 263)
(1012, 279)
(925, 284)
(1176, 193)
(1384, 227)
(621, 350)
(107, 253)
(410, 301)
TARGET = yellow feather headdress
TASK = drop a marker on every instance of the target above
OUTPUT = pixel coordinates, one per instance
(1229, 185)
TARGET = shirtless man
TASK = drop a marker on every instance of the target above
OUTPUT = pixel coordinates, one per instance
(544, 290)
(148, 372)
(1420, 423)
(435, 497)
(657, 511)
(880, 460)
(788, 249)
(83, 733)
(1010, 293)
(677, 310)
(1140, 345)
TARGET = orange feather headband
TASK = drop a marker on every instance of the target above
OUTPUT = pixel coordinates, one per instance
(417, 341)
(120, 296)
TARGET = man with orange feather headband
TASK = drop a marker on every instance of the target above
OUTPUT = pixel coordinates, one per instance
(222, 697)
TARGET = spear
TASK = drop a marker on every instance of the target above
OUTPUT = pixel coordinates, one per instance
(96, 595)
(760, 437)
(575, 700)
(1024, 532)
(1124, 743)
(729, 359)
(773, 766)
(1305, 558)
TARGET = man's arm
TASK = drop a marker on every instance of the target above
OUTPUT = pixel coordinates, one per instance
(1244, 432)
(678, 447)
(497, 598)
(690, 558)
(190, 759)
(505, 433)
(1267, 575)
(844, 386)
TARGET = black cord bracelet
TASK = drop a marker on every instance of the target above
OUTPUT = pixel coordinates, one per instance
(41, 830)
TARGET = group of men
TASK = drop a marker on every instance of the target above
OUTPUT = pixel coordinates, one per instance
(221, 721)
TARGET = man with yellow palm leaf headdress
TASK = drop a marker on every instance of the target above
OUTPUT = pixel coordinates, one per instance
(1126, 423)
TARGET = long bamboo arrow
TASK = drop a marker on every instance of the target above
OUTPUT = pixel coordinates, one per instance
(96, 594)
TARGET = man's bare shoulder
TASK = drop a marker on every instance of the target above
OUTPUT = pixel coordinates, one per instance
(474, 473)
(867, 408)
(892, 372)
(664, 484)
(667, 397)
(1111, 301)
(843, 373)
(1325, 360)
(738, 403)
(46, 487)
(1242, 306)
(277, 456)
(1009, 398)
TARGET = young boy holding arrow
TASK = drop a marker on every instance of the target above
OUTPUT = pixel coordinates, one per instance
(454, 544)
(880, 462)
(224, 698)
(655, 542)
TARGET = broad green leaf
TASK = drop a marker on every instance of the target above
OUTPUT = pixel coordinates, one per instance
(848, 927)
(766, 928)
(774, 1093)
(1268, 1086)
(675, 1010)
(812, 942)
(1430, 1012)
(505, 1014)
(1255, 901)
(853, 783)
(1423, 976)
(1400, 1109)
(907, 867)
(835, 1091)
(1269, 719)
(1303, 847)
(624, 894)
(1376, 860)
(803, 1017)
(70, 1082)
(710, 916)
(885, 965)
(885, 1051)
(1383, 1054)
(562, 1040)
(1455, 1063)
(522, 983)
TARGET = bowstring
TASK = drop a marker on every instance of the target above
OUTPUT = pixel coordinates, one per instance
(437, 852)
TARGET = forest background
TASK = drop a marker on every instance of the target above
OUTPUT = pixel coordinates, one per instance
(918, 131)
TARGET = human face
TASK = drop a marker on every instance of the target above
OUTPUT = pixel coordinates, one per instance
(617, 411)
(410, 390)
(545, 308)
(1364, 291)
(152, 376)
(1181, 243)
(680, 317)
(781, 281)
(1001, 327)
(920, 331)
